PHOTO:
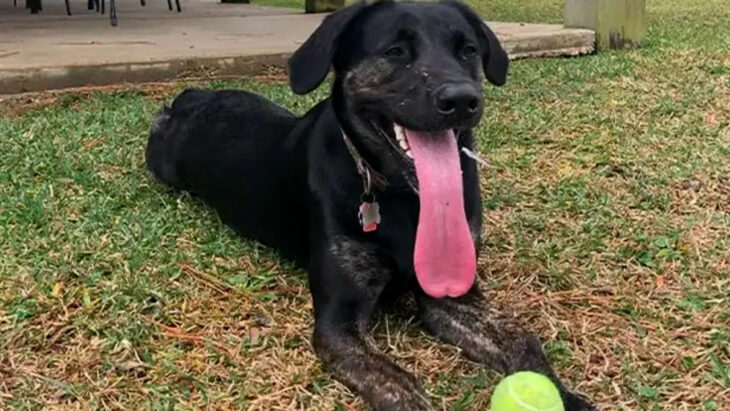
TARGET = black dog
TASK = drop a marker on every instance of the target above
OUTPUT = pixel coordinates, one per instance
(371, 190)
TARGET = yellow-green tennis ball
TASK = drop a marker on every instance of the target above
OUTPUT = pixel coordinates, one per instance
(526, 391)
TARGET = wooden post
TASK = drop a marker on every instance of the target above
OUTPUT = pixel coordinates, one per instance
(617, 23)
(323, 6)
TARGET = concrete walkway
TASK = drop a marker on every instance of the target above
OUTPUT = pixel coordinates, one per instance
(52, 50)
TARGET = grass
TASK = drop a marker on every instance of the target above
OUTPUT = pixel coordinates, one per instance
(607, 213)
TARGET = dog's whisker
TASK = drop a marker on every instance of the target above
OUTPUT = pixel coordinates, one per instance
(474, 156)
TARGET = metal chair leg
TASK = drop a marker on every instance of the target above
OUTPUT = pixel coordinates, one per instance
(112, 12)
(68, 8)
(177, 4)
(142, 2)
(103, 6)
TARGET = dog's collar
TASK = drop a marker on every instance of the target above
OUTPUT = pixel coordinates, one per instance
(369, 211)
(370, 177)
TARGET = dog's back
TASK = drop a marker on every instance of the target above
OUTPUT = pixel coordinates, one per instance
(187, 126)
(232, 148)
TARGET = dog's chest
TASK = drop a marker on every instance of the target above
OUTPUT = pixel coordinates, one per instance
(397, 229)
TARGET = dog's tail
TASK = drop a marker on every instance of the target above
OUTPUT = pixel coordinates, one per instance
(158, 155)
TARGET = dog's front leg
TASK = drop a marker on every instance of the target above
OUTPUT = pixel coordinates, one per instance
(345, 286)
(488, 336)
(355, 362)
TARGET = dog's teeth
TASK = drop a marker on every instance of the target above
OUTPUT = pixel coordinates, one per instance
(400, 137)
(399, 134)
(409, 154)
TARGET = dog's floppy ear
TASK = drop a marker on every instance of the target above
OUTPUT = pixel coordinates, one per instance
(310, 63)
(494, 58)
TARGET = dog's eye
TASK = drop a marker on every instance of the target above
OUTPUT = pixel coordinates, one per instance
(395, 51)
(469, 51)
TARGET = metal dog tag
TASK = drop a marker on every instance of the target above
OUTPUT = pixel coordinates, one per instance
(369, 216)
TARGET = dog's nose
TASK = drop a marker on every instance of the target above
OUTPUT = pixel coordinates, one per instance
(457, 100)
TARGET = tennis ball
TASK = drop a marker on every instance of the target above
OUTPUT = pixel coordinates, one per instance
(526, 391)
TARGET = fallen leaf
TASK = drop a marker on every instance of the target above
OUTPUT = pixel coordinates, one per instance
(57, 289)
(711, 119)
(253, 335)
(131, 365)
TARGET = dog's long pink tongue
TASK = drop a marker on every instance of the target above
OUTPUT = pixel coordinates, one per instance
(444, 256)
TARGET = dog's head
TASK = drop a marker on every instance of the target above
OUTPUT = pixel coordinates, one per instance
(416, 65)
(408, 78)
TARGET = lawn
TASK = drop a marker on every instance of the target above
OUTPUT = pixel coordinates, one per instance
(607, 210)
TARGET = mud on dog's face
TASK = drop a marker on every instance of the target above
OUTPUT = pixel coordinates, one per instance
(416, 65)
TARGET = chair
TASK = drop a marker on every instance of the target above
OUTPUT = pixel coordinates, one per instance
(177, 5)
(36, 5)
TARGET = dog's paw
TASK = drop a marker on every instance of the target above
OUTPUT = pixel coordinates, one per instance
(577, 402)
